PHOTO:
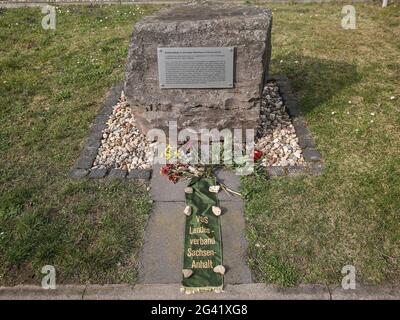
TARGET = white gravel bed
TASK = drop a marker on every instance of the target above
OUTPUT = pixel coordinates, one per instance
(122, 145)
(277, 137)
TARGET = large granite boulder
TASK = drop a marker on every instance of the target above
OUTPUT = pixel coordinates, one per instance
(200, 24)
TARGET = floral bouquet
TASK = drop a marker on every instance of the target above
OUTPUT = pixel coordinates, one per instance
(182, 168)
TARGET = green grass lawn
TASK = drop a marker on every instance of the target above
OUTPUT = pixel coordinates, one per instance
(300, 230)
(304, 230)
(52, 85)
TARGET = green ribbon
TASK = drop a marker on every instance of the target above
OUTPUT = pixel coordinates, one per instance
(203, 245)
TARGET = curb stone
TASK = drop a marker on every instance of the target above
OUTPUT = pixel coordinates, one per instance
(366, 293)
(296, 170)
(276, 171)
(254, 291)
(97, 173)
(140, 174)
(11, 4)
(117, 174)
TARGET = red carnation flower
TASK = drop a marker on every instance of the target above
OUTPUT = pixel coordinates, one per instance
(174, 177)
(165, 170)
(257, 155)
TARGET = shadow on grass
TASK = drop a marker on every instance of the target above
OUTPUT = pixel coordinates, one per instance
(315, 80)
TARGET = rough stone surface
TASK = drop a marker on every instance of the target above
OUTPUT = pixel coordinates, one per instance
(305, 140)
(97, 173)
(139, 174)
(208, 24)
(301, 127)
(86, 158)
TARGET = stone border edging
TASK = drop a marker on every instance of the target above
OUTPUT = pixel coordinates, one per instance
(13, 4)
(314, 165)
(83, 165)
(256, 291)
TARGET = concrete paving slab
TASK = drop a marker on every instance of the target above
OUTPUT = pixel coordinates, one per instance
(161, 260)
(164, 190)
(232, 180)
(234, 243)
